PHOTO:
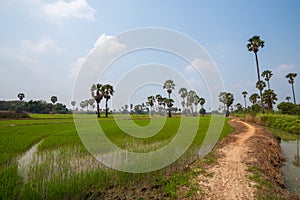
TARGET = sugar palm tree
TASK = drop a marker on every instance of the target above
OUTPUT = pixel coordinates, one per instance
(151, 100)
(244, 93)
(169, 85)
(254, 44)
(183, 93)
(229, 101)
(159, 101)
(222, 99)
(21, 96)
(253, 98)
(73, 103)
(191, 99)
(196, 102)
(267, 74)
(53, 99)
(288, 98)
(107, 91)
(201, 101)
(98, 96)
(291, 79)
(269, 98)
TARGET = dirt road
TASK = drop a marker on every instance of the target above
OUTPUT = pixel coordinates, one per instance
(229, 179)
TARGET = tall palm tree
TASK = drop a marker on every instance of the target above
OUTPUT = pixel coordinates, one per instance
(291, 77)
(191, 99)
(229, 101)
(151, 100)
(244, 93)
(21, 96)
(260, 85)
(222, 99)
(98, 96)
(73, 103)
(254, 44)
(196, 102)
(267, 74)
(288, 98)
(269, 98)
(107, 91)
(183, 93)
(53, 99)
(253, 98)
(159, 101)
(169, 85)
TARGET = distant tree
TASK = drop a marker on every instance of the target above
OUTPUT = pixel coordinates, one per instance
(73, 103)
(227, 98)
(288, 98)
(151, 100)
(183, 94)
(291, 79)
(238, 106)
(267, 74)
(289, 108)
(169, 85)
(107, 91)
(196, 102)
(159, 100)
(253, 45)
(202, 101)
(191, 99)
(98, 96)
(83, 104)
(269, 98)
(21, 96)
(222, 99)
(244, 93)
(253, 98)
(91, 102)
(53, 99)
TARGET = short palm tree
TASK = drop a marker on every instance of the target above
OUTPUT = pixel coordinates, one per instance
(107, 91)
(21, 96)
(202, 101)
(169, 85)
(269, 98)
(253, 98)
(183, 93)
(159, 101)
(267, 74)
(244, 93)
(53, 99)
(254, 44)
(196, 102)
(291, 79)
(288, 98)
(98, 96)
(191, 99)
(151, 100)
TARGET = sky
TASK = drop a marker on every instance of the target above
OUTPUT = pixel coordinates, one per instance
(45, 44)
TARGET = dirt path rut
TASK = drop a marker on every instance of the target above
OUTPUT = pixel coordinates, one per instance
(229, 179)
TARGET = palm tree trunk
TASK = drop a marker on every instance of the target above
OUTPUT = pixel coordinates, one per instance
(98, 110)
(106, 109)
(170, 106)
(245, 102)
(258, 77)
(293, 93)
(268, 82)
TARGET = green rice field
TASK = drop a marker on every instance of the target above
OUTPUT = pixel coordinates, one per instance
(43, 157)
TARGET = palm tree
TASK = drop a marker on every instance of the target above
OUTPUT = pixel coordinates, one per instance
(191, 99)
(21, 96)
(201, 101)
(183, 93)
(291, 77)
(151, 100)
(229, 101)
(267, 74)
(91, 102)
(222, 99)
(254, 44)
(244, 93)
(260, 85)
(107, 91)
(269, 98)
(253, 98)
(53, 99)
(169, 85)
(73, 103)
(159, 101)
(98, 97)
(196, 102)
(288, 98)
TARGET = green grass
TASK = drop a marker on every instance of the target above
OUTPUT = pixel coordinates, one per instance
(55, 177)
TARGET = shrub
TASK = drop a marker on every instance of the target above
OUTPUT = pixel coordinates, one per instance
(12, 115)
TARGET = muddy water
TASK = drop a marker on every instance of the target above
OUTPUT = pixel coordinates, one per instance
(292, 167)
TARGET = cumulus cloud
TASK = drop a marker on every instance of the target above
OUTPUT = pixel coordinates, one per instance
(200, 65)
(43, 45)
(73, 9)
(111, 45)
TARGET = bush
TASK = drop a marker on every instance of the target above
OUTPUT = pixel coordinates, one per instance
(289, 108)
(12, 115)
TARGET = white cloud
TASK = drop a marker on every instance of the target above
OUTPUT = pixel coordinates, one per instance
(73, 9)
(45, 44)
(283, 69)
(200, 65)
(112, 46)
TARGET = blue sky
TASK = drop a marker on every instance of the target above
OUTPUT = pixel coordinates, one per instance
(44, 43)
